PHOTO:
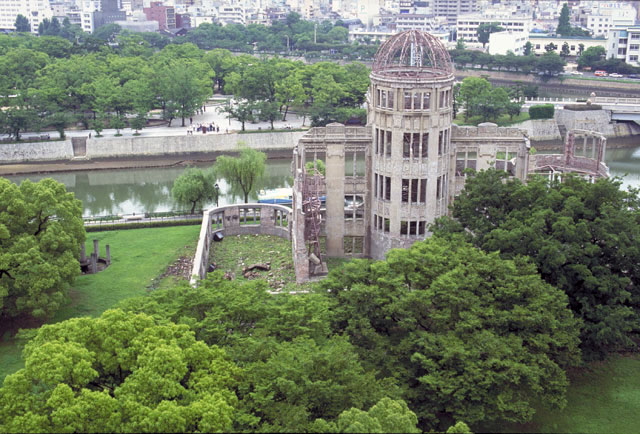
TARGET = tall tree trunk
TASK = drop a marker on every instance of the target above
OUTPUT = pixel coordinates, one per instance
(286, 110)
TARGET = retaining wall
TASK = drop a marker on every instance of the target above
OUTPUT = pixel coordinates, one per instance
(36, 151)
(123, 147)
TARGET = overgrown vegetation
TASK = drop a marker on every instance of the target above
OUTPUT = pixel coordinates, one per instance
(542, 111)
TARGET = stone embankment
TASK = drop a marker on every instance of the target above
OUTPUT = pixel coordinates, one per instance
(136, 147)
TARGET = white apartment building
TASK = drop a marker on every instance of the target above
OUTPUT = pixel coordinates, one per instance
(231, 15)
(35, 11)
(503, 42)
(624, 44)
(467, 25)
(601, 17)
(539, 41)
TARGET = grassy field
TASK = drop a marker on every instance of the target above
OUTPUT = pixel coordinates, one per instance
(138, 256)
(239, 251)
(503, 121)
(603, 398)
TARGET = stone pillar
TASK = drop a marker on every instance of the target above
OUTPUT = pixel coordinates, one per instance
(96, 249)
(83, 253)
(108, 255)
(94, 263)
(335, 163)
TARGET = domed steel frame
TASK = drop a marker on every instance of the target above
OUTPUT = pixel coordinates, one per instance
(413, 53)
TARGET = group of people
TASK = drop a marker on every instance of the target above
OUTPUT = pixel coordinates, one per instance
(212, 128)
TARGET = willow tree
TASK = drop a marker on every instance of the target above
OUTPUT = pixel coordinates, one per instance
(243, 173)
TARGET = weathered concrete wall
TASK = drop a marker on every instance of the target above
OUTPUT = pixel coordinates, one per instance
(123, 147)
(36, 151)
(171, 145)
(541, 129)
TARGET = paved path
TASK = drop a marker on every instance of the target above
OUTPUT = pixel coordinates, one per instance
(211, 115)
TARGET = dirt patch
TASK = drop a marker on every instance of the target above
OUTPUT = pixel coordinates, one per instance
(180, 269)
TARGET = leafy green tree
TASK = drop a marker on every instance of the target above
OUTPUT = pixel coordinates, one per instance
(591, 56)
(550, 47)
(491, 104)
(242, 111)
(565, 50)
(460, 44)
(459, 428)
(242, 172)
(138, 122)
(118, 123)
(387, 416)
(581, 236)
(550, 63)
(564, 26)
(184, 87)
(302, 381)
(470, 88)
(195, 186)
(485, 29)
(528, 48)
(97, 124)
(441, 308)
(119, 373)
(22, 24)
(41, 230)
(580, 48)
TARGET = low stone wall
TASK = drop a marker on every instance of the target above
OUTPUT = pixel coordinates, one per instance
(541, 129)
(36, 151)
(172, 145)
(125, 147)
(241, 219)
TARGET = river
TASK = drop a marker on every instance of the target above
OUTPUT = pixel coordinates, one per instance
(125, 191)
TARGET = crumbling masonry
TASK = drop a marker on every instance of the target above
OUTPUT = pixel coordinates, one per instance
(387, 181)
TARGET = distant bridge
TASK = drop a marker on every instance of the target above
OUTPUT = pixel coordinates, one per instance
(622, 109)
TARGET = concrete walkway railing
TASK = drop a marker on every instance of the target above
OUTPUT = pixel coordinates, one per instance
(239, 219)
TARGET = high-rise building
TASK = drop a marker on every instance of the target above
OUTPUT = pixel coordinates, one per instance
(110, 12)
(164, 15)
(452, 8)
(34, 10)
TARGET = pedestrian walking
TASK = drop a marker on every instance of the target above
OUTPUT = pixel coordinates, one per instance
(190, 120)
(217, 128)
(89, 135)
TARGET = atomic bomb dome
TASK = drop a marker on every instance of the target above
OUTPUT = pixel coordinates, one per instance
(412, 53)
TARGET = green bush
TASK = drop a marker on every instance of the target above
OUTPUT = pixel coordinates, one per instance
(139, 225)
(543, 111)
(582, 108)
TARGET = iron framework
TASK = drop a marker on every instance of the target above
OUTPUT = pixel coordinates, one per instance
(413, 53)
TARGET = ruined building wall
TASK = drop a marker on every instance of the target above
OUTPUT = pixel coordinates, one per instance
(410, 120)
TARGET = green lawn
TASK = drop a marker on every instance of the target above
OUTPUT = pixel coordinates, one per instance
(604, 398)
(503, 121)
(138, 257)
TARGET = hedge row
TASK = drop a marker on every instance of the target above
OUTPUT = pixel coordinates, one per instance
(543, 111)
(139, 225)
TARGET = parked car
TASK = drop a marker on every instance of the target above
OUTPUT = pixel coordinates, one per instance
(600, 73)
(633, 76)
(577, 73)
(616, 75)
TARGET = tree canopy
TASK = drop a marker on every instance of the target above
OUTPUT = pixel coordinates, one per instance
(243, 172)
(119, 373)
(195, 187)
(41, 230)
(469, 336)
(582, 237)
(22, 24)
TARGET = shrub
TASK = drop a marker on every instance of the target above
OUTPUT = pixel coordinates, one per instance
(543, 111)
(138, 225)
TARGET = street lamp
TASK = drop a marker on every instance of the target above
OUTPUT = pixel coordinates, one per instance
(287, 36)
(217, 189)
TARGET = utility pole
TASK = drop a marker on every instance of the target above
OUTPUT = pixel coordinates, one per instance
(315, 33)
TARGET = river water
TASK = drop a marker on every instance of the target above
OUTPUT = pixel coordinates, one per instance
(125, 191)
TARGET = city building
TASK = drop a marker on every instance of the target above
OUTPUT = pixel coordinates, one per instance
(576, 43)
(231, 15)
(34, 10)
(452, 9)
(387, 181)
(164, 15)
(506, 41)
(624, 43)
(109, 13)
(467, 25)
(600, 17)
